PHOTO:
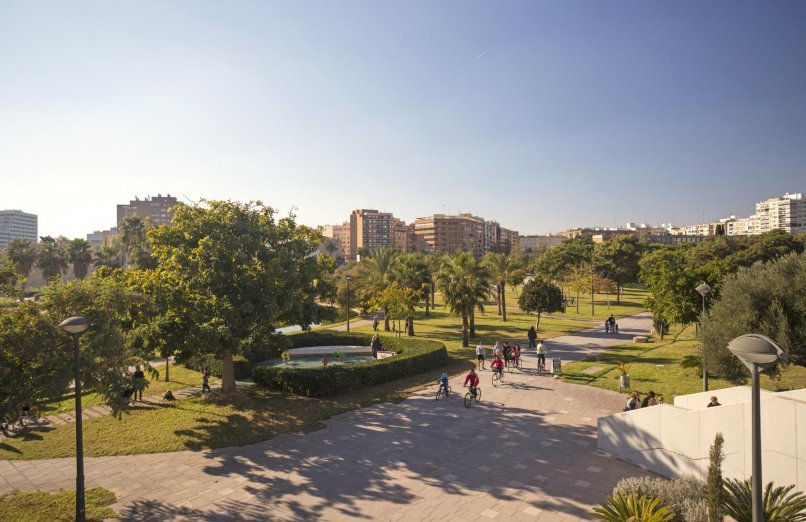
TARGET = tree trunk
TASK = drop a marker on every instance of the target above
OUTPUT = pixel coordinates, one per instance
(577, 301)
(228, 386)
(433, 295)
(504, 302)
(410, 320)
(593, 308)
(498, 297)
(537, 324)
(618, 292)
(473, 324)
(427, 307)
(386, 320)
(465, 342)
(168, 369)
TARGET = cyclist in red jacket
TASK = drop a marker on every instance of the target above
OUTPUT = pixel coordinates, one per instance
(473, 379)
(497, 365)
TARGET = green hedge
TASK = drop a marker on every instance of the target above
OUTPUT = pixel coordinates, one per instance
(242, 366)
(413, 356)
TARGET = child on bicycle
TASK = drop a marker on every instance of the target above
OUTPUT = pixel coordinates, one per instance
(443, 382)
(516, 354)
(473, 379)
(497, 365)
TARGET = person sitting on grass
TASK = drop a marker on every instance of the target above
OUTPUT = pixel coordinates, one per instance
(472, 379)
(443, 382)
(497, 365)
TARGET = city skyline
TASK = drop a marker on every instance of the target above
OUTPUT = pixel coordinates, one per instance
(541, 116)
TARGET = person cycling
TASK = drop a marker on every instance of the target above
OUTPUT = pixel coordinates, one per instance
(541, 355)
(507, 354)
(516, 354)
(497, 366)
(472, 379)
(443, 382)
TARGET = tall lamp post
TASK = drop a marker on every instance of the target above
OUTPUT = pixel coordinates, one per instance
(758, 353)
(703, 290)
(76, 326)
(348, 278)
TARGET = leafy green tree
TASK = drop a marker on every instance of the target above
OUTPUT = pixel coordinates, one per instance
(22, 253)
(465, 285)
(396, 301)
(557, 262)
(79, 252)
(618, 260)
(541, 297)
(671, 283)
(8, 277)
(108, 255)
(410, 272)
(239, 270)
(51, 258)
(768, 299)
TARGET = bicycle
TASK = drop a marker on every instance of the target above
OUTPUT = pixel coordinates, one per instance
(443, 389)
(541, 365)
(498, 377)
(470, 396)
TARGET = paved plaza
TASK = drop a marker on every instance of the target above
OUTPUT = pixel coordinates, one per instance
(527, 451)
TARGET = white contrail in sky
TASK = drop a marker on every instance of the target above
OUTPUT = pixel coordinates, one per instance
(483, 53)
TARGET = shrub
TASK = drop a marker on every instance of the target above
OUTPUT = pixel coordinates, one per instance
(243, 368)
(266, 348)
(780, 505)
(620, 508)
(413, 356)
(331, 338)
(715, 482)
(685, 496)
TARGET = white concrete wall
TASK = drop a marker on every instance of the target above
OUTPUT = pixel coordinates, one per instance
(672, 440)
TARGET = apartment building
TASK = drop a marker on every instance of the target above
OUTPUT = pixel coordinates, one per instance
(341, 234)
(536, 242)
(369, 230)
(452, 234)
(156, 211)
(99, 236)
(786, 213)
(16, 224)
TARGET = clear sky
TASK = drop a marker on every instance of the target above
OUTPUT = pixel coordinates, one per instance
(541, 114)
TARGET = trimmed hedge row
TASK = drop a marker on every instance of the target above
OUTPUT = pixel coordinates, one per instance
(242, 366)
(413, 356)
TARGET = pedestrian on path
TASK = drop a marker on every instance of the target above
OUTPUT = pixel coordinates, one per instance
(480, 356)
(532, 335)
(375, 322)
(206, 380)
(375, 344)
(139, 383)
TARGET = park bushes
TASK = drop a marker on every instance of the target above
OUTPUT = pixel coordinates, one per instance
(413, 356)
(243, 368)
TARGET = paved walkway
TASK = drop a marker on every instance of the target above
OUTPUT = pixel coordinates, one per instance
(527, 451)
(589, 343)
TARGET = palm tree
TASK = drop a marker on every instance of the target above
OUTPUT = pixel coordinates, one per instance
(501, 267)
(22, 253)
(410, 272)
(375, 275)
(108, 254)
(79, 252)
(465, 285)
(132, 233)
(51, 259)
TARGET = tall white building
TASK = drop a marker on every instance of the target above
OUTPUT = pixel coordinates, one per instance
(785, 213)
(16, 224)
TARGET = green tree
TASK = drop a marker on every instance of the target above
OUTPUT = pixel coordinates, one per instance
(239, 270)
(132, 232)
(671, 283)
(8, 277)
(768, 299)
(22, 253)
(375, 274)
(556, 262)
(79, 252)
(501, 268)
(541, 297)
(410, 272)
(618, 260)
(51, 258)
(465, 285)
(108, 255)
(396, 302)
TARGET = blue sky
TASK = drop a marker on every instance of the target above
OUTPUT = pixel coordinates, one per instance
(541, 115)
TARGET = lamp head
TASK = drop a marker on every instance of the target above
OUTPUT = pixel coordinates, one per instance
(703, 289)
(755, 349)
(75, 324)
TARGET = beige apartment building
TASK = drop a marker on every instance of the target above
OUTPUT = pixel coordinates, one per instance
(369, 230)
(155, 211)
(786, 213)
(340, 233)
(452, 234)
(536, 242)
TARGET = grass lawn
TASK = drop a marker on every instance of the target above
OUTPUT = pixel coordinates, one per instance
(56, 507)
(657, 366)
(181, 378)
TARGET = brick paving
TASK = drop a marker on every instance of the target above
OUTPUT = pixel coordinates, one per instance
(527, 451)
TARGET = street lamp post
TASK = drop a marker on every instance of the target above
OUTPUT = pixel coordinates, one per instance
(76, 326)
(703, 290)
(758, 353)
(348, 302)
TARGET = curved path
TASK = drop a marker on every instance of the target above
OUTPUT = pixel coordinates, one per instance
(527, 451)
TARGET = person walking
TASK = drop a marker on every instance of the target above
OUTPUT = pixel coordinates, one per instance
(206, 380)
(532, 335)
(139, 383)
(375, 344)
(480, 357)
(375, 322)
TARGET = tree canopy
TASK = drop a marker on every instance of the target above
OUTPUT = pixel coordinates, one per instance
(539, 297)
